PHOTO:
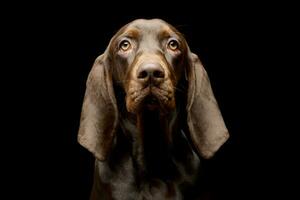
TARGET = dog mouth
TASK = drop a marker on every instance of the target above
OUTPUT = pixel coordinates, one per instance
(151, 102)
(150, 98)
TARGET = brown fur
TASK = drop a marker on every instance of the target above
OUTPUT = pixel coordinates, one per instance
(148, 114)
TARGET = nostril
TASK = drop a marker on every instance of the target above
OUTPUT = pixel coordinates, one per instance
(150, 71)
(143, 74)
(158, 74)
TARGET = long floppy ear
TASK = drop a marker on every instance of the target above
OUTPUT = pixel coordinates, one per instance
(206, 126)
(99, 111)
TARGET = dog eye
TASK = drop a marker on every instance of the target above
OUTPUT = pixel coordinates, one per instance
(125, 45)
(173, 45)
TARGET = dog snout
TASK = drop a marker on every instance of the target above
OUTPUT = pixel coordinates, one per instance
(151, 73)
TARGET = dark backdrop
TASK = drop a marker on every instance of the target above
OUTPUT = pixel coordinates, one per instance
(53, 48)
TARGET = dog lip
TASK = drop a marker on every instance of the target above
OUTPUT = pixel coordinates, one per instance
(151, 98)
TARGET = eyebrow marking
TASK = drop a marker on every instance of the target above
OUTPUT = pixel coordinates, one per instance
(165, 33)
(168, 32)
(131, 33)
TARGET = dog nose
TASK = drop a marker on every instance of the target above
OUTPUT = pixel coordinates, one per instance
(151, 72)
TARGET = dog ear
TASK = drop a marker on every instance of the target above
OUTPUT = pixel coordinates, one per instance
(205, 123)
(99, 111)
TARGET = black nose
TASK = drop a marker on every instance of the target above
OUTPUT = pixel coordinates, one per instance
(151, 72)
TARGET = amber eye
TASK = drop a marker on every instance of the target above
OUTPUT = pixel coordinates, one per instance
(173, 45)
(125, 45)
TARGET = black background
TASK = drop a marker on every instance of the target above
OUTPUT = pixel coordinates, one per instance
(51, 49)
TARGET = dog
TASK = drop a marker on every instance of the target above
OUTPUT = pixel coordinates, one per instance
(149, 115)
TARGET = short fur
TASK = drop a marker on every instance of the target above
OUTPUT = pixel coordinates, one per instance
(149, 115)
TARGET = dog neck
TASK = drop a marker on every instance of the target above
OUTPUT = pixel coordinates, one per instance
(149, 136)
(152, 146)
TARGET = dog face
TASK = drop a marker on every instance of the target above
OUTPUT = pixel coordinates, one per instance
(148, 59)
